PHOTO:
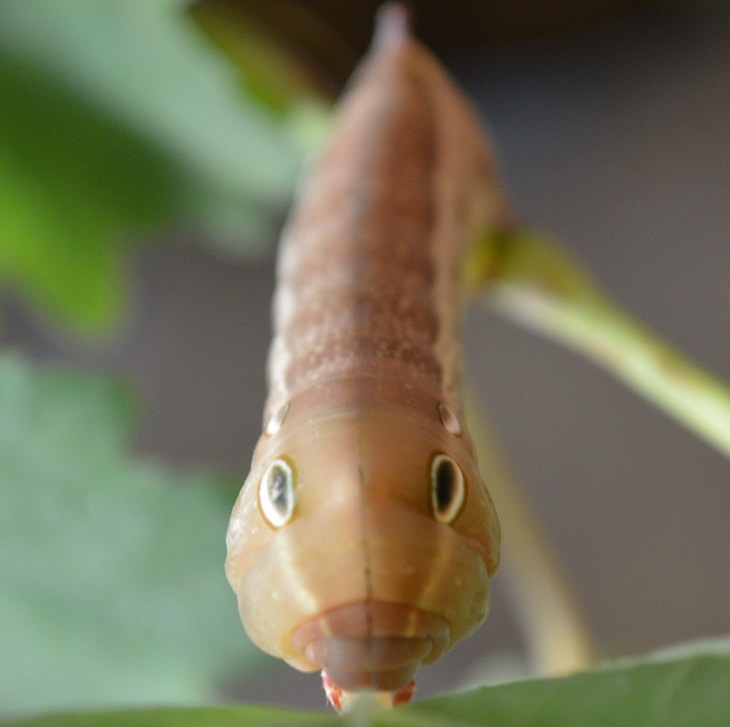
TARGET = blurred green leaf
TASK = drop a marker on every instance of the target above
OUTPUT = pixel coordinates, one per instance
(112, 578)
(272, 70)
(73, 181)
(116, 117)
(687, 689)
(195, 717)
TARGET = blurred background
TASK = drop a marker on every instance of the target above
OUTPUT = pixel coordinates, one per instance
(147, 156)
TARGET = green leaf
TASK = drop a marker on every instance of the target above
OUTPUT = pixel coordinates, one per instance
(688, 692)
(111, 567)
(73, 181)
(273, 67)
(117, 117)
(686, 688)
(196, 717)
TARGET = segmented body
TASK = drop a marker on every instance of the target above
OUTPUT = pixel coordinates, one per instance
(364, 540)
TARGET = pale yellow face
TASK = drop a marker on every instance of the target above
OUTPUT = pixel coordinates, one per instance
(366, 523)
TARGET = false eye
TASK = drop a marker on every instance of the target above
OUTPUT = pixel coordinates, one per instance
(447, 488)
(276, 493)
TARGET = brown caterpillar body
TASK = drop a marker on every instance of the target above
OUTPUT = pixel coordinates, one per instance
(364, 540)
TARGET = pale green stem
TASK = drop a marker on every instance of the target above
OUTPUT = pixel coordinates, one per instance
(558, 641)
(533, 281)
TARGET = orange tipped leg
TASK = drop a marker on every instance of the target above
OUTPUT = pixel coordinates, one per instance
(333, 693)
(342, 700)
(404, 694)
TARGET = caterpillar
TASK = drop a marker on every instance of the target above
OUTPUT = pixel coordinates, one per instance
(364, 540)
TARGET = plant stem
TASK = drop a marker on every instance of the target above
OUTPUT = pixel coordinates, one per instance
(532, 280)
(558, 640)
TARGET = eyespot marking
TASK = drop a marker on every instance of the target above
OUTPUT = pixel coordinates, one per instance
(447, 488)
(277, 497)
(276, 420)
(449, 419)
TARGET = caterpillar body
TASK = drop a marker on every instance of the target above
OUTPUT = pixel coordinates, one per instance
(364, 540)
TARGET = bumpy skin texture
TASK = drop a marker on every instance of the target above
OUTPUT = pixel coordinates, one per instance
(363, 581)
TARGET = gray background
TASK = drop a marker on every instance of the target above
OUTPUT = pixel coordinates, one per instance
(618, 142)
